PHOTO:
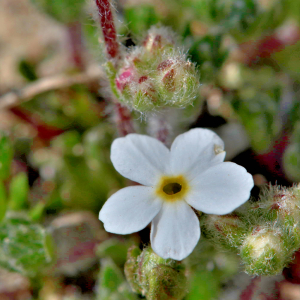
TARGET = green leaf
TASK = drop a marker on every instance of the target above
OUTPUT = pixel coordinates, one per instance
(204, 285)
(140, 17)
(112, 285)
(37, 211)
(18, 191)
(115, 249)
(3, 201)
(6, 155)
(65, 11)
(24, 247)
(27, 70)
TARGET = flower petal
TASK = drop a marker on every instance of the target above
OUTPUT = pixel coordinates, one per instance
(195, 151)
(220, 189)
(140, 158)
(130, 209)
(175, 231)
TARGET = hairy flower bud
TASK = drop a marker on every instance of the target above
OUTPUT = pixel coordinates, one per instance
(226, 230)
(155, 75)
(155, 277)
(158, 38)
(279, 204)
(263, 251)
(131, 268)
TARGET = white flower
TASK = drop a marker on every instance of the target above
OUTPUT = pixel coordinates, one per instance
(192, 173)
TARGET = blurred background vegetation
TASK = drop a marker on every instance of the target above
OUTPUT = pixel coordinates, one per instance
(57, 123)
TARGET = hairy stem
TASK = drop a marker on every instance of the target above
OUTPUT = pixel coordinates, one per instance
(108, 28)
(123, 120)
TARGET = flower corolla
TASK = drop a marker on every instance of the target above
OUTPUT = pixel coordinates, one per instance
(191, 174)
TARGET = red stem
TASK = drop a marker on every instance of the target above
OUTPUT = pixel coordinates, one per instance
(108, 28)
(44, 131)
(249, 291)
(267, 45)
(76, 45)
(162, 133)
(124, 122)
(123, 117)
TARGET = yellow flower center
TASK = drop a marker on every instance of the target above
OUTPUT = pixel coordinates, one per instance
(172, 188)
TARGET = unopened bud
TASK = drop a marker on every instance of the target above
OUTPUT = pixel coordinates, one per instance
(131, 268)
(278, 204)
(177, 81)
(156, 75)
(155, 277)
(158, 38)
(226, 230)
(263, 251)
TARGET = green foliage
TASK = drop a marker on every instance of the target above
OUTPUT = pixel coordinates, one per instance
(114, 249)
(209, 55)
(203, 285)
(27, 69)
(6, 155)
(112, 284)
(291, 157)
(74, 107)
(66, 11)
(3, 201)
(141, 17)
(82, 172)
(24, 247)
(256, 101)
(18, 191)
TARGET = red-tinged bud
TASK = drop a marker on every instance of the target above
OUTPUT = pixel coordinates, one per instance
(226, 230)
(279, 204)
(159, 38)
(124, 79)
(149, 80)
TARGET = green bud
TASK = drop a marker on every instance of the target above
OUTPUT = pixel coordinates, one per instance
(263, 251)
(278, 204)
(227, 230)
(131, 268)
(155, 277)
(177, 81)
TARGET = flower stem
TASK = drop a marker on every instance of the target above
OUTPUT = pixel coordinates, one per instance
(108, 28)
(123, 120)
(123, 116)
(248, 293)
